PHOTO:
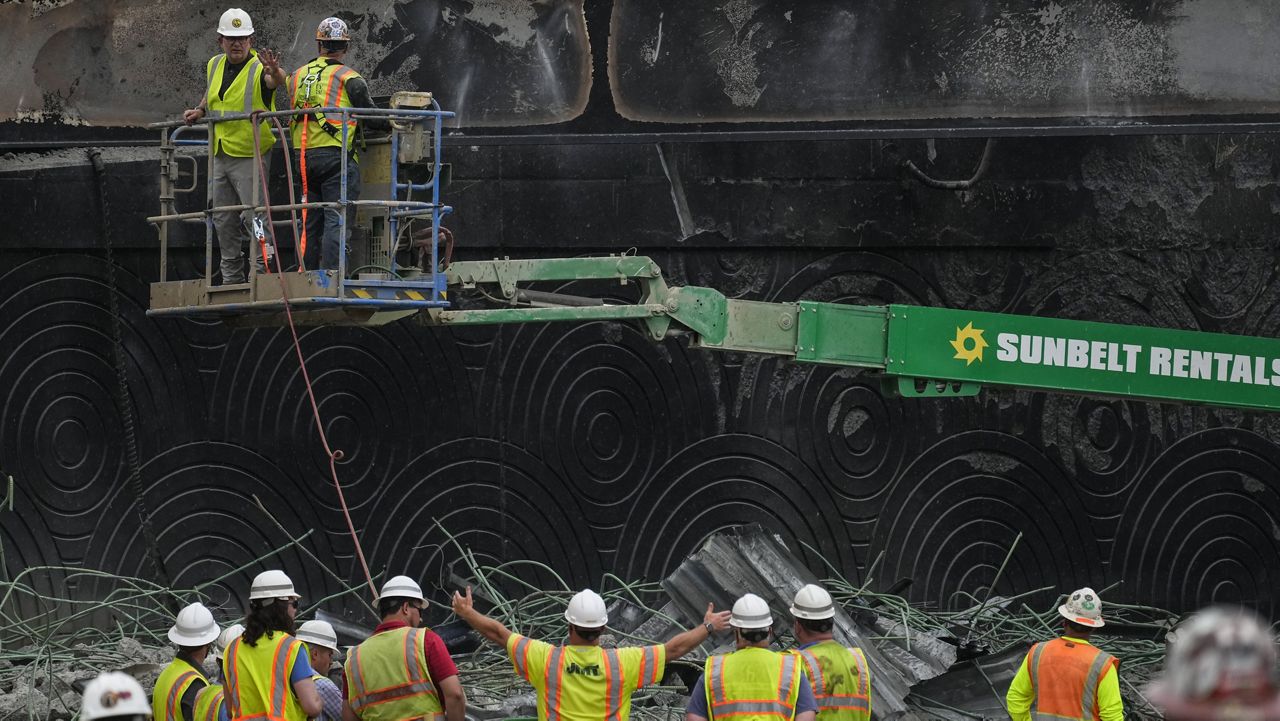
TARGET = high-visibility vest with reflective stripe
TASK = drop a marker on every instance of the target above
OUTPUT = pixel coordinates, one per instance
(319, 84)
(840, 679)
(387, 677)
(244, 95)
(174, 680)
(208, 703)
(1065, 676)
(753, 684)
(257, 679)
(587, 683)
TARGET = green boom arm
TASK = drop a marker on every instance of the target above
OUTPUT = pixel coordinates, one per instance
(921, 351)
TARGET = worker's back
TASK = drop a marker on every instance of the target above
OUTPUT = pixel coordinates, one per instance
(257, 678)
(840, 679)
(584, 683)
(1065, 675)
(753, 684)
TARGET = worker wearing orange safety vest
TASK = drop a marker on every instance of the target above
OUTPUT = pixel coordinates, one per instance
(582, 681)
(239, 80)
(266, 671)
(753, 683)
(180, 683)
(839, 675)
(402, 671)
(1067, 678)
(317, 138)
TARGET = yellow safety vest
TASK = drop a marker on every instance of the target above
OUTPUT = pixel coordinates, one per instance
(840, 679)
(235, 137)
(321, 83)
(208, 703)
(753, 684)
(257, 679)
(174, 680)
(585, 683)
(387, 677)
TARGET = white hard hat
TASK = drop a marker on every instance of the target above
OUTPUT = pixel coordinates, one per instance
(1083, 607)
(318, 633)
(195, 626)
(1220, 658)
(812, 602)
(272, 584)
(114, 694)
(235, 23)
(401, 587)
(229, 634)
(751, 611)
(333, 29)
(586, 610)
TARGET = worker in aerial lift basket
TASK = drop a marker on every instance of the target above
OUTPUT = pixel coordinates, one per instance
(1221, 666)
(266, 669)
(1067, 678)
(753, 683)
(239, 80)
(838, 675)
(580, 680)
(114, 696)
(402, 671)
(180, 683)
(317, 140)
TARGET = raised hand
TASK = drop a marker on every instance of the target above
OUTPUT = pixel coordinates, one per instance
(718, 619)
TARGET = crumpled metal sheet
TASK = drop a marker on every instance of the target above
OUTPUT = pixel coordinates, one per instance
(750, 559)
(976, 686)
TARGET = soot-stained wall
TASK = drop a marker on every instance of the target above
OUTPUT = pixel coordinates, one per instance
(590, 448)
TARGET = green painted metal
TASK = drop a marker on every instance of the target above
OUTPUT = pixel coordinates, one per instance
(702, 310)
(1084, 357)
(908, 387)
(542, 315)
(757, 327)
(838, 334)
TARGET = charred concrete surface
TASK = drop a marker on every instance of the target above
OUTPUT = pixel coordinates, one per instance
(833, 60)
(647, 447)
(131, 62)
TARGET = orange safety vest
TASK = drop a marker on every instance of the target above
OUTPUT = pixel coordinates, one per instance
(1065, 676)
(257, 679)
(753, 684)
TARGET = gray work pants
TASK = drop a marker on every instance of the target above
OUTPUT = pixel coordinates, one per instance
(233, 184)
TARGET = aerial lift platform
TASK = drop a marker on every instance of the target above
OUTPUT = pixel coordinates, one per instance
(919, 351)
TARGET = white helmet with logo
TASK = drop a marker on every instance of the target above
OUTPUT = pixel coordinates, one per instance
(235, 23)
(750, 612)
(195, 627)
(401, 587)
(1083, 607)
(114, 695)
(272, 584)
(318, 633)
(813, 603)
(333, 29)
(587, 610)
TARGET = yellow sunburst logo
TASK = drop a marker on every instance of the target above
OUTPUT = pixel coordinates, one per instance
(236, 22)
(969, 344)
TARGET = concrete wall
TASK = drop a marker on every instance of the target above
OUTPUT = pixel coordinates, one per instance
(592, 449)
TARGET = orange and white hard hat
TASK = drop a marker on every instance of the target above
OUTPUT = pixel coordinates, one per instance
(1083, 607)
(333, 29)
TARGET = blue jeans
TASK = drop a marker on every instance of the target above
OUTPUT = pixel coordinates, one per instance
(324, 184)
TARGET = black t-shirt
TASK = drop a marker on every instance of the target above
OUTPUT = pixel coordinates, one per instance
(229, 74)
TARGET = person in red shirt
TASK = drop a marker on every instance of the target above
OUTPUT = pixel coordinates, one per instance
(402, 670)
